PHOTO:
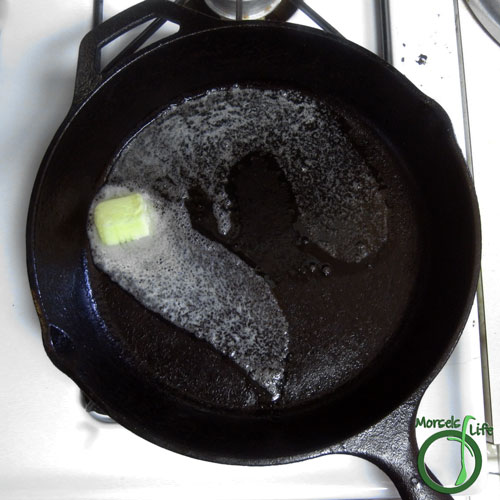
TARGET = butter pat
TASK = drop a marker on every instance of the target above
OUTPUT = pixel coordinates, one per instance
(123, 219)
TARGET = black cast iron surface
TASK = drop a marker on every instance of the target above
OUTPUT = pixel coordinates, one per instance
(115, 349)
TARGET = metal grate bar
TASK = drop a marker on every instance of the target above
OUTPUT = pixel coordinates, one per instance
(385, 30)
(312, 14)
(97, 13)
(239, 10)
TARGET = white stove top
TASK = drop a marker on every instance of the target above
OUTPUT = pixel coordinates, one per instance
(50, 447)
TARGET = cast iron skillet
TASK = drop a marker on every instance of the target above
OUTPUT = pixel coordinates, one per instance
(176, 391)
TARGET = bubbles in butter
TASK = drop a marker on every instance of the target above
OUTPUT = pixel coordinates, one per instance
(198, 284)
(196, 142)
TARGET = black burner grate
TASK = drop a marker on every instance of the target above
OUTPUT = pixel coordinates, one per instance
(283, 12)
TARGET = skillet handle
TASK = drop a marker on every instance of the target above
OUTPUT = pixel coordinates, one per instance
(392, 446)
(89, 74)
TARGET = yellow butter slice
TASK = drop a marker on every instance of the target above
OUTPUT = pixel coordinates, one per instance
(123, 219)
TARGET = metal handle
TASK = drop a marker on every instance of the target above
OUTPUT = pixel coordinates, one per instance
(392, 446)
(89, 74)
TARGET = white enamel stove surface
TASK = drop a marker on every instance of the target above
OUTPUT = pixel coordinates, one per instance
(50, 448)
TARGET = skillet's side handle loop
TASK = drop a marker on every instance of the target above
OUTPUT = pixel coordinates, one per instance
(89, 74)
(392, 446)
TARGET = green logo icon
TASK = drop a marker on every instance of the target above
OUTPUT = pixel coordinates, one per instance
(467, 443)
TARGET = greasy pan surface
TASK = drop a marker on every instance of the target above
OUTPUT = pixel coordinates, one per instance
(386, 324)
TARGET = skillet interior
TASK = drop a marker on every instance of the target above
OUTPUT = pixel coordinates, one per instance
(335, 302)
(402, 315)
